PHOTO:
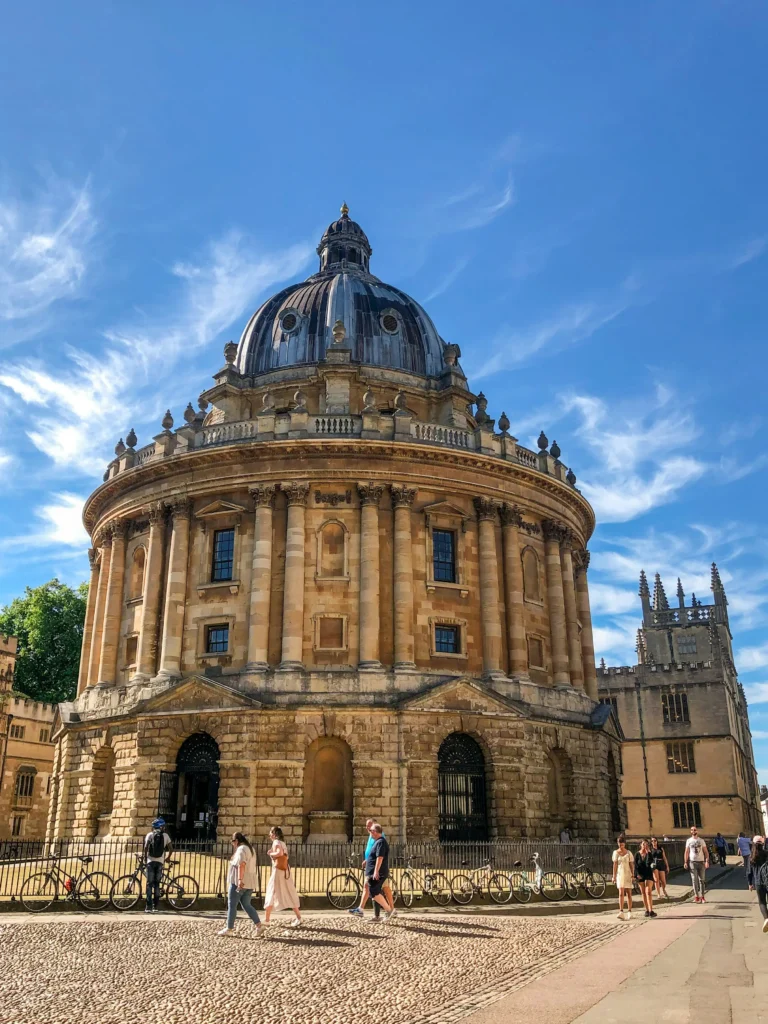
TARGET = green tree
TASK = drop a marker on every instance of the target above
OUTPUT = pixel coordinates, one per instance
(48, 622)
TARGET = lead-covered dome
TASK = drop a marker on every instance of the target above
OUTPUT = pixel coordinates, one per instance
(385, 327)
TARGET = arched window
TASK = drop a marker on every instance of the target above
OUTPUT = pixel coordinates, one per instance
(137, 573)
(531, 587)
(462, 805)
(193, 789)
(328, 788)
(559, 774)
(332, 551)
(24, 790)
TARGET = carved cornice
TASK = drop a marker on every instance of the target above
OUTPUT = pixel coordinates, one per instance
(580, 560)
(511, 515)
(370, 493)
(486, 508)
(180, 508)
(296, 492)
(553, 529)
(402, 496)
(263, 495)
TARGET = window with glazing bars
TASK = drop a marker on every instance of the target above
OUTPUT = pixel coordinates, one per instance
(17, 825)
(686, 814)
(25, 784)
(612, 701)
(674, 707)
(223, 554)
(217, 640)
(447, 640)
(680, 758)
(444, 556)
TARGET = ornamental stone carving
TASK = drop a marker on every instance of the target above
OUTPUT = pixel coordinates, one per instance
(580, 560)
(295, 492)
(402, 496)
(155, 513)
(180, 508)
(511, 515)
(555, 530)
(263, 495)
(485, 508)
(370, 493)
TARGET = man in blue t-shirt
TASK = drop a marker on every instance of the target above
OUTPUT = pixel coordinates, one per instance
(377, 870)
(385, 888)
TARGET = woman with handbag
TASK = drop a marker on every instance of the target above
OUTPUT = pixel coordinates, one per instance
(281, 892)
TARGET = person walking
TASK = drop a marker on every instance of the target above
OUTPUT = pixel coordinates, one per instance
(644, 861)
(241, 881)
(623, 876)
(660, 868)
(758, 862)
(386, 888)
(696, 861)
(281, 892)
(377, 871)
(745, 848)
(157, 844)
(721, 848)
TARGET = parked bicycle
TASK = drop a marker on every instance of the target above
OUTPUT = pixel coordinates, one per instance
(418, 882)
(497, 884)
(550, 885)
(578, 876)
(181, 891)
(91, 889)
(344, 890)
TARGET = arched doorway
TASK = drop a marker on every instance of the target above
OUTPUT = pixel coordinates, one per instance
(462, 803)
(197, 772)
(328, 790)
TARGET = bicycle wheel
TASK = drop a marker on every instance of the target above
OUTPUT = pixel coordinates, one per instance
(553, 886)
(343, 891)
(521, 890)
(440, 889)
(126, 892)
(94, 890)
(38, 892)
(500, 887)
(595, 884)
(407, 888)
(182, 891)
(462, 889)
(571, 885)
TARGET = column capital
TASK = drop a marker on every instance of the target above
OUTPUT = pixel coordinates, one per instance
(155, 513)
(580, 560)
(370, 493)
(117, 529)
(555, 530)
(263, 495)
(486, 508)
(511, 515)
(402, 496)
(92, 557)
(296, 493)
(180, 508)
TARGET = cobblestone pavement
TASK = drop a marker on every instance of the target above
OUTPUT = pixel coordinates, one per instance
(174, 970)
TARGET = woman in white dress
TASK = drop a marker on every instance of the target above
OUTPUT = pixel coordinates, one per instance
(623, 876)
(281, 892)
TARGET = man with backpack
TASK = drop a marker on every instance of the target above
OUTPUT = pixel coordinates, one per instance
(156, 844)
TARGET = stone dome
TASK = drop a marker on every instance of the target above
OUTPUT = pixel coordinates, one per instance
(384, 326)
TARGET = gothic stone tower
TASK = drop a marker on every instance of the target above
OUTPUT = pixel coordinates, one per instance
(338, 590)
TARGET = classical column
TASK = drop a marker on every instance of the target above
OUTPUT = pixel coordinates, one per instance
(489, 586)
(261, 579)
(90, 608)
(571, 615)
(402, 501)
(293, 595)
(94, 657)
(511, 520)
(175, 590)
(153, 576)
(370, 495)
(554, 533)
(113, 608)
(581, 564)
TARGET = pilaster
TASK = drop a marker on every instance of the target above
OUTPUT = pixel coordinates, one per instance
(554, 533)
(571, 615)
(90, 610)
(370, 495)
(402, 501)
(176, 590)
(293, 595)
(261, 578)
(487, 512)
(581, 564)
(153, 575)
(110, 640)
(94, 658)
(511, 520)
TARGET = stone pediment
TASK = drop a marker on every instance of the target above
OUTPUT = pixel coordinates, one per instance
(220, 508)
(466, 695)
(198, 693)
(605, 719)
(445, 508)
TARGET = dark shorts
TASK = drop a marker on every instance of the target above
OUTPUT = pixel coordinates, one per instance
(374, 887)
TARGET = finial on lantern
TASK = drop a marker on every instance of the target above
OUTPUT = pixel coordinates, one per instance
(344, 210)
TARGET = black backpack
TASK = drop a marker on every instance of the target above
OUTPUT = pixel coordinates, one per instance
(156, 844)
(761, 875)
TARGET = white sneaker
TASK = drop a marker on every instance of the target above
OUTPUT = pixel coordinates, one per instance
(295, 923)
(226, 931)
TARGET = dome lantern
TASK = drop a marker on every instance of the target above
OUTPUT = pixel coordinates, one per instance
(344, 244)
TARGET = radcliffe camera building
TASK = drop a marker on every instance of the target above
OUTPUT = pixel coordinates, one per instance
(338, 589)
(687, 753)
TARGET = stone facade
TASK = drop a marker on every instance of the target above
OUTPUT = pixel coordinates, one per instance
(333, 566)
(687, 748)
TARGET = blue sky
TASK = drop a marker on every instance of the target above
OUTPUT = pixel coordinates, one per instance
(576, 193)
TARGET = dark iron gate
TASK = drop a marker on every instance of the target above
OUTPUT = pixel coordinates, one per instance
(462, 803)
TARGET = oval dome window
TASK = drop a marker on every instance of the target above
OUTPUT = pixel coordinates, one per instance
(288, 322)
(389, 323)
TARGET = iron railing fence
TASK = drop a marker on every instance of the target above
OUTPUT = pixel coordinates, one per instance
(313, 864)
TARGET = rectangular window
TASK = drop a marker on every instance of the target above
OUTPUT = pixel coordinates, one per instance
(674, 707)
(444, 556)
(45, 735)
(686, 814)
(17, 732)
(686, 645)
(18, 823)
(131, 650)
(612, 701)
(535, 653)
(447, 640)
(223, 555)
(25, 787)
(330, 634)
(217, 639)
(680, 758)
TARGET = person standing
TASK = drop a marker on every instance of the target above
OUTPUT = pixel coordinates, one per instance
(745, 848)
(697, 861)
(758, 862)
(377, 870)
(623, 875)
(281, 892)
(644, 861)
(156, 844)
(660, 868)
(720, 849)
(241, 881)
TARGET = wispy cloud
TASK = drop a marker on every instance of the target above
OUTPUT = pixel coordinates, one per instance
(749, 659)
(58, 524)
(456, 270)
(756, 693)
(745, 253)
(45, 249)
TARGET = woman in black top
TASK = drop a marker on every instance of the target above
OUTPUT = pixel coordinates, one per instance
(757, 859)
(660, 868)
(644, 865)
